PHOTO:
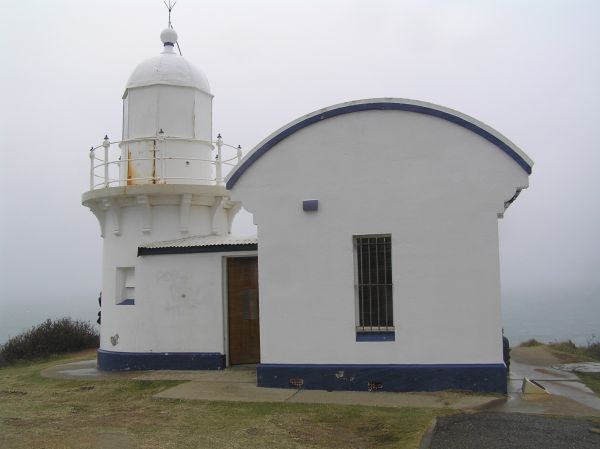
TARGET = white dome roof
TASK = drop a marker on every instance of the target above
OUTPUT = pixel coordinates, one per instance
(168, 68)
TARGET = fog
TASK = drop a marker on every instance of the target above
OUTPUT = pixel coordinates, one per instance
(528, 69)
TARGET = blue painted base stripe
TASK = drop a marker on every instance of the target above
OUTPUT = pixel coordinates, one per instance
(376, 336)
(481, 378)
(140, 361)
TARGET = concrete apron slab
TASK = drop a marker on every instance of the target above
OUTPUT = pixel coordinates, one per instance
(247, 392)
(87, 370)
(568, 396)
(83, 370)
(238, 384)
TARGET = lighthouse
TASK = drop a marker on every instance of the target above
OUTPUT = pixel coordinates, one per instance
(379, 264)
(162, 182)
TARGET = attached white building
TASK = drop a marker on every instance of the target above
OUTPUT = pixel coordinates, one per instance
(378, 247)
(377, 242)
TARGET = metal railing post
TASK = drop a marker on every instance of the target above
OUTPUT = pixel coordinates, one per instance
(218, 163)
(106, 145)
(92, 156)
(160, 159)
(161, 139)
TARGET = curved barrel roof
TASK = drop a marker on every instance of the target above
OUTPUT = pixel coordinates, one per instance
(397, 104)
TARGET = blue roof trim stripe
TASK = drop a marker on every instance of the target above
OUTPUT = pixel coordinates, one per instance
(370, 107)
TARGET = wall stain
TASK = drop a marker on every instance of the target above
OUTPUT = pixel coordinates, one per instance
(183, 292)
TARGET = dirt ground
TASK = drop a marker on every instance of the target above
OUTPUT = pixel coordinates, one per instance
(534, 355)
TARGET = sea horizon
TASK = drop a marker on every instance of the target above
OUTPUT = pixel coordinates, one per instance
(556, 314)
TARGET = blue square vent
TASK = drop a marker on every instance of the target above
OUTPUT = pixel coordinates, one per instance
(310, 205)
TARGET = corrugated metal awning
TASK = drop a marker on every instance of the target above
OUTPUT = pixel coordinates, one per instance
(200, 244)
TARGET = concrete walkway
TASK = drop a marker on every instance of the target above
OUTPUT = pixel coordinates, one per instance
(568, 396)
(238, 384)
(249, 392)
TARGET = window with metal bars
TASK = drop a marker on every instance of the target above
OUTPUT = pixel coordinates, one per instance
(373, 256)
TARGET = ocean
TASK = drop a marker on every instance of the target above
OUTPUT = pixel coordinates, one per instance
(555, 314)
(17, 316)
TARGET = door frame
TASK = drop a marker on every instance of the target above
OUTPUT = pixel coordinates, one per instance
(225, 302)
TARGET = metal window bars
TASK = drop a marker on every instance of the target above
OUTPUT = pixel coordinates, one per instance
(374, 282)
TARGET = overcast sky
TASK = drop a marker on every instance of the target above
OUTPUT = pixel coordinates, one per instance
(531, 70)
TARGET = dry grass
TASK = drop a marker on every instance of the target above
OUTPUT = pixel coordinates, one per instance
(51, 414)
(568, 352)
(592, 380)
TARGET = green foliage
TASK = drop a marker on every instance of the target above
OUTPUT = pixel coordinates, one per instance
(529, 343)
(592, 380)
(593, 347)
(564, 346)
(591, 351)
(568, 351)
(51, 337)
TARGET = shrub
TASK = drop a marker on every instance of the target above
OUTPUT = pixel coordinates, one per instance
(529, 343)
(50, 337)
(564, 346)
(589, 352)
(593, 350)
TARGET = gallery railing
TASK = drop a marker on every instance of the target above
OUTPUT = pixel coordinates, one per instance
(111, 169)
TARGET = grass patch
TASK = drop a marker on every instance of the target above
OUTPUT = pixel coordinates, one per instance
(49, 413)
(568, 352)
(592, 380)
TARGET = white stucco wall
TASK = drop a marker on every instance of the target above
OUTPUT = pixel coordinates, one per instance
(436, 187)
(160, 321)
(178, 307)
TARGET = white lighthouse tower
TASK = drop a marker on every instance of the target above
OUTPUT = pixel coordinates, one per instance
(162, 182)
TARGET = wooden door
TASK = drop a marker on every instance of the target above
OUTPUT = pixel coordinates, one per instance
(242, 288)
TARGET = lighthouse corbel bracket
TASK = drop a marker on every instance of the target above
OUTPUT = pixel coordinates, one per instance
(113, 211)
(184, 212)
(232, 208)
(144, 202)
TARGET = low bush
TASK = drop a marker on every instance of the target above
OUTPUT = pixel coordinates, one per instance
(564, 346)
(50, 337)
(530, 342)
(593, 350)
(589, 352)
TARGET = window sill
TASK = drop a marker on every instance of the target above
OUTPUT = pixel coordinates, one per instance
(376, 336)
